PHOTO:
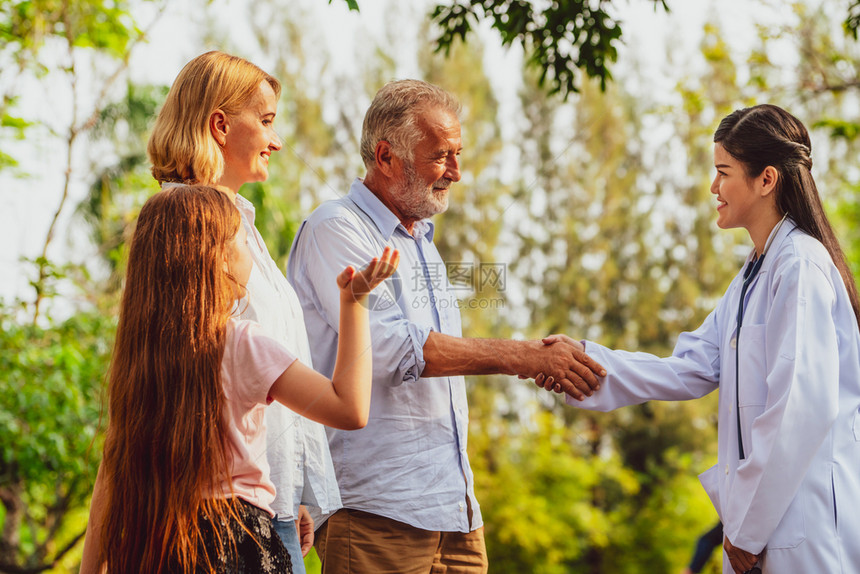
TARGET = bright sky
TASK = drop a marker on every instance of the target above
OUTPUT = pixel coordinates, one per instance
(29, 203)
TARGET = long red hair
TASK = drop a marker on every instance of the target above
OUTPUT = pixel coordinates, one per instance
(165, 458)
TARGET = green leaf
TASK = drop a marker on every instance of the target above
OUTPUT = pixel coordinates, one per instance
(839, 129)
(8, 121)
(352, 4)
(7, 160)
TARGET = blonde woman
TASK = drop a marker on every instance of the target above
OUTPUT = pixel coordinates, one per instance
(216, 128)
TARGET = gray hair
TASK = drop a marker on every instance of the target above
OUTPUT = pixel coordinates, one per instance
(393, 114)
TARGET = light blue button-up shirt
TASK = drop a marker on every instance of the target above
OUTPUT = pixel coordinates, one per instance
(409, 463)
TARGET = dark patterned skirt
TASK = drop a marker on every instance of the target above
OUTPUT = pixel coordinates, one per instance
(260, 552)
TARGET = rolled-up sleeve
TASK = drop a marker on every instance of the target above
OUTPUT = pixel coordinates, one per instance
(410, 462)
(398, 341)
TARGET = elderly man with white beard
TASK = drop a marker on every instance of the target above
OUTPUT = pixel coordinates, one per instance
(405, 480)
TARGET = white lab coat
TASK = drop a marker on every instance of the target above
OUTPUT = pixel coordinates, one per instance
(797, 492)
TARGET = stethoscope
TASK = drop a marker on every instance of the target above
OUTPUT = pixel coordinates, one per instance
(753, 267)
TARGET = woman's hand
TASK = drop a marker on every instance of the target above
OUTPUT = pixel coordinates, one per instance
(741, 560)
(356, 285)
(562, 338)
(305, 529)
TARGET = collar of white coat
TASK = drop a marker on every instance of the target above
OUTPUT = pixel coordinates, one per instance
(777, 237)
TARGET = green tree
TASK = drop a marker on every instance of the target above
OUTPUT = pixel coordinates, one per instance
(119, 190)
(821, 88)
(53, 365)
(320, 156)
(84, 34)
(468, 233)
(561, 38)
(621, 253)
(829, 86)
(50, 397)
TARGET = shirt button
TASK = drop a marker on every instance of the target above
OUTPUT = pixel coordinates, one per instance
(462, 507)
(734, 342)
(727, 468)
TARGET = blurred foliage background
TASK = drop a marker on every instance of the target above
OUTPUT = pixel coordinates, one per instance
(586, 186)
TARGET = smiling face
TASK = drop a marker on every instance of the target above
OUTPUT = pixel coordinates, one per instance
(744, 201)
(250, 140)
(735, 191)
(422, 189)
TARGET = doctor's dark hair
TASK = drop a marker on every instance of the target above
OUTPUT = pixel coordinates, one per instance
(767, 135)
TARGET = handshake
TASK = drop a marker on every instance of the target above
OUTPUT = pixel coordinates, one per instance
(560, 364)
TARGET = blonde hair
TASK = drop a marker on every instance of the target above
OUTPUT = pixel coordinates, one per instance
(181, 147)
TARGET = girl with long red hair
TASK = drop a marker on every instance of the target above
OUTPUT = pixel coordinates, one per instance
(184, 485)
(217, 127)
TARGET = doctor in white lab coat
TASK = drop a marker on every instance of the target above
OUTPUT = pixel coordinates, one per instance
(788, 489)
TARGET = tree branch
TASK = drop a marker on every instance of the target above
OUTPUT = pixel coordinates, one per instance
(10, 496)
(841, 87)
(14, 569)
(67, 178)
(54, 518)
(76, 130)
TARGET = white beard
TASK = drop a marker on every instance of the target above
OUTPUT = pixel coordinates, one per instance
(417, 199)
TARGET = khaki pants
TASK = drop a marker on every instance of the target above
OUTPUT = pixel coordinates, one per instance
(356, 542)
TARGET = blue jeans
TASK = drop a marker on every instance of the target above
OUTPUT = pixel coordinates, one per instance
(286, 529)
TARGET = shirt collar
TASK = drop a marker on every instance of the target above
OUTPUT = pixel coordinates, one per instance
(246, 207)
(386, 222)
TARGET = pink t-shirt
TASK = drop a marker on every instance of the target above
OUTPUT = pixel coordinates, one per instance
(252, 362)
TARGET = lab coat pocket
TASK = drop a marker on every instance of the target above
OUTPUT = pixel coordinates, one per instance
(710, 480)
(791, 530)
